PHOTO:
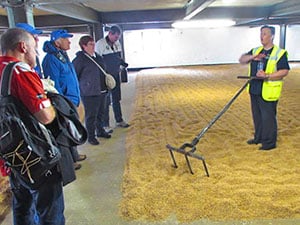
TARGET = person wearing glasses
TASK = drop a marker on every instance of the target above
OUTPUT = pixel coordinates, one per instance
(93, 89)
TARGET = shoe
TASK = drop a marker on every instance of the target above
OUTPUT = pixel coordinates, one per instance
(104, 135)
(81, 157)
(108, 130)
(94, 141)
(266, 148)
(77, 166)
(123, 124)
(252, 142)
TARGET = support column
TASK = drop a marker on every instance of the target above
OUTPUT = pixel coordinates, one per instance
(98, 31)
(282, 37)
(122, 44)
(19, 12)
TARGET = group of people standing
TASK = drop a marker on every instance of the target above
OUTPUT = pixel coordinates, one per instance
(79, 80)
(83, 80)
(95, 96)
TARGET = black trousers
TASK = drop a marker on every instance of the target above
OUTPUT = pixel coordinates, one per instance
(265, 121)
(94, 109)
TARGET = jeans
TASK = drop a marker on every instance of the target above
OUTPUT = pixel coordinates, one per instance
(105, 113)
(116, 105)
(113, 99)
(44, 206)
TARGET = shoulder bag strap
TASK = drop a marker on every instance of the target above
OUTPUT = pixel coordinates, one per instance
(6, 79)
(103, 71)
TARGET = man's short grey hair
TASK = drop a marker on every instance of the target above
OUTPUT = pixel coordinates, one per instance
(11, 37)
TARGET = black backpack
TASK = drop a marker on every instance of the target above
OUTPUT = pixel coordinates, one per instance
(26, 145)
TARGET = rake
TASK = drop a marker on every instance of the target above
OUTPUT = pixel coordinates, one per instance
(189, 149)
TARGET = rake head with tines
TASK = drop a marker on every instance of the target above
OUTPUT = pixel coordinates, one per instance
(190, 153)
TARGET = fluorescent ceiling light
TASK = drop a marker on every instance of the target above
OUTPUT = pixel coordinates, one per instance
(203, 23)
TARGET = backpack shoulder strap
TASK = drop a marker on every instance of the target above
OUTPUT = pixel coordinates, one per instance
(6, 79)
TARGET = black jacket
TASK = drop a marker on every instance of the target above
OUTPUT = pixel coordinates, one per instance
(68, 132)
(90, 77)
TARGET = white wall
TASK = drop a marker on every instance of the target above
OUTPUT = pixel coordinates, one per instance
(173, 47)
(293, 42)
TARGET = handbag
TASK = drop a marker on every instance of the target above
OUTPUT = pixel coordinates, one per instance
(26, 145)
(109, 79)
(124, 75)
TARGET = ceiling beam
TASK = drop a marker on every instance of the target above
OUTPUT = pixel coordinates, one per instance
(142, 26)
(270, 21)
(75, 11)
(194, 7)
(56, 21)
(143, 16)
(234, 13)
(291, 7)
(50, 2)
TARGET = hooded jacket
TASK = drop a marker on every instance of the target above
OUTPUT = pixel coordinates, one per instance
(57, 65)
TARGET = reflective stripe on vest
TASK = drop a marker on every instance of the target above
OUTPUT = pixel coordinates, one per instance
(271, 90)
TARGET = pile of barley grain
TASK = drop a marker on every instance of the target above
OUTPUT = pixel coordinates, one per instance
(175, 104)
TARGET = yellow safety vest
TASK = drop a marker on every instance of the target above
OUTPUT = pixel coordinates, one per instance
(271, 90)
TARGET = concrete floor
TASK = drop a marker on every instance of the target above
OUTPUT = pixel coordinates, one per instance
(93, 199)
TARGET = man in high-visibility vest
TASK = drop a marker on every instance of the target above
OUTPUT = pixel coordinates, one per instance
(269, 63)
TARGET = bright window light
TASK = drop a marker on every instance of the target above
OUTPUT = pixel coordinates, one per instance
(203, 23)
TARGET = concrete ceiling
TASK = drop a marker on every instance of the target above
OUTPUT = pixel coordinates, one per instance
(140, 14)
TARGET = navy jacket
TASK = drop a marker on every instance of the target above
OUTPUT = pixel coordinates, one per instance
(90, 77)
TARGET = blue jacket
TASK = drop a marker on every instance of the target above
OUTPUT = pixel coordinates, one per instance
(57, 65)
